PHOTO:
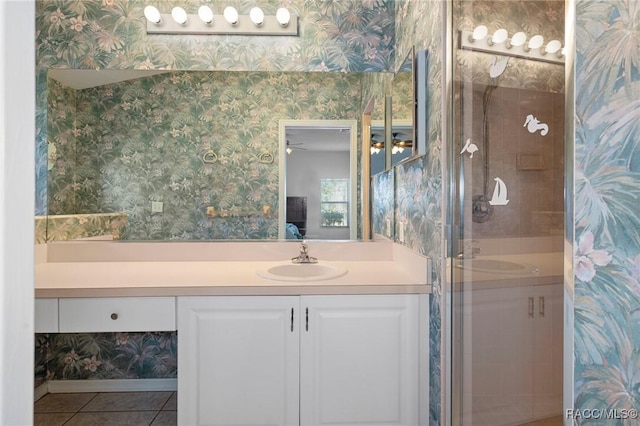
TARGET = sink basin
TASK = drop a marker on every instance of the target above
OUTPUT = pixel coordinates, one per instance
(496, 266)
(302, 272)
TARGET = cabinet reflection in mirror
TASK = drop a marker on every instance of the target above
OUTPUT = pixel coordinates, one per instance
(184, 155)
(318, 171)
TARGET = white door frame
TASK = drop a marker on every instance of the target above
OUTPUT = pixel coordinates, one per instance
(17, 195)
(352, 125)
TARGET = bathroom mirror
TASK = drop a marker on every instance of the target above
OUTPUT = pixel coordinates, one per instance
(189, 155)
(403, 101)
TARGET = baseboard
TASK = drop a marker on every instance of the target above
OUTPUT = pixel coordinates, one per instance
(40, 391)
(111, 385)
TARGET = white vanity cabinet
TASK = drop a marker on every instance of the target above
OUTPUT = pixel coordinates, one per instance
(104, 314)
(359, 360)
(300, 360)
(238, 360)
(516, 350)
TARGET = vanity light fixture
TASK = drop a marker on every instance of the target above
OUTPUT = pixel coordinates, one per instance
(257, 16)
(179, 15)
(283, 16)
(499, 36)
(230, 22)
(479, 33)
(535, 42)
(206, 14)
(152, 14)
(553, 46)
(517, 40)
(499, 43)
(231, 15)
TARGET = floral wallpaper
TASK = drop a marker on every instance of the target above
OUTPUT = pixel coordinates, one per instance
(382, 203)
(191, 140)
(334, 36)
(606, 217)
(419, 24)
(72, 356)
(71, 227)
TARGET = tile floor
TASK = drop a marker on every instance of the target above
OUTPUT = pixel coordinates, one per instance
(129, 408)
(110, 408)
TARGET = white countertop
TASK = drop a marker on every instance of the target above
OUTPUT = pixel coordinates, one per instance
(402, 271)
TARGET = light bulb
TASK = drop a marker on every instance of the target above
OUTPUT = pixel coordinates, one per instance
(394, 150)
(479, 33)
(536, 42)
(206, 14)
(289, 150)
(179, 15)
(499, 36)
(518, 39)
(553, 46)
(283, 16)
(257, 16)
(373, 150)
(231, 15)
(152, 14)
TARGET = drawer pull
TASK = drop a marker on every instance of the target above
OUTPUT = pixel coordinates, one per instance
(114, 316)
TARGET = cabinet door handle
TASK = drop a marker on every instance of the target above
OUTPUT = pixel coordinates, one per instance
(531, 307)
(292, 320)
(306, 319)
(114, 316)
(541, 306)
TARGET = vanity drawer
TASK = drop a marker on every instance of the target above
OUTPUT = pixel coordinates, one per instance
(46, 315)
(117, 314)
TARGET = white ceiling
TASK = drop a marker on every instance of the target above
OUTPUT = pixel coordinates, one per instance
(319, 139)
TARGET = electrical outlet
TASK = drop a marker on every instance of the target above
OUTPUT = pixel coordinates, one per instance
(157, 206)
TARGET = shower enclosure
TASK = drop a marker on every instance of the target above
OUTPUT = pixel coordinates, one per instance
(506, 203)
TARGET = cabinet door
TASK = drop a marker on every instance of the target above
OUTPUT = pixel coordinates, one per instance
(499, 351)
(548, 347)
(359, 360)
(239, 360)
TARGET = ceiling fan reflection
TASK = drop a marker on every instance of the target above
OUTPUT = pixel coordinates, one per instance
(291, 146)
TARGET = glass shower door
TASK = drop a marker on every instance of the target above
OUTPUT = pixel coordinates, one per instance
(506, 212)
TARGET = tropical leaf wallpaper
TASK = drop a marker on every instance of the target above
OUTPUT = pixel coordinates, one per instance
(70, 227)
(383, 203)
(149, 139)
(607, 219)
(72, 356)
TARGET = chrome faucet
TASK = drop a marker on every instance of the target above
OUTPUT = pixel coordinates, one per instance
(304, 257)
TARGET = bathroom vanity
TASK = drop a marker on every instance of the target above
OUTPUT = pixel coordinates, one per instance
(351, 350)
